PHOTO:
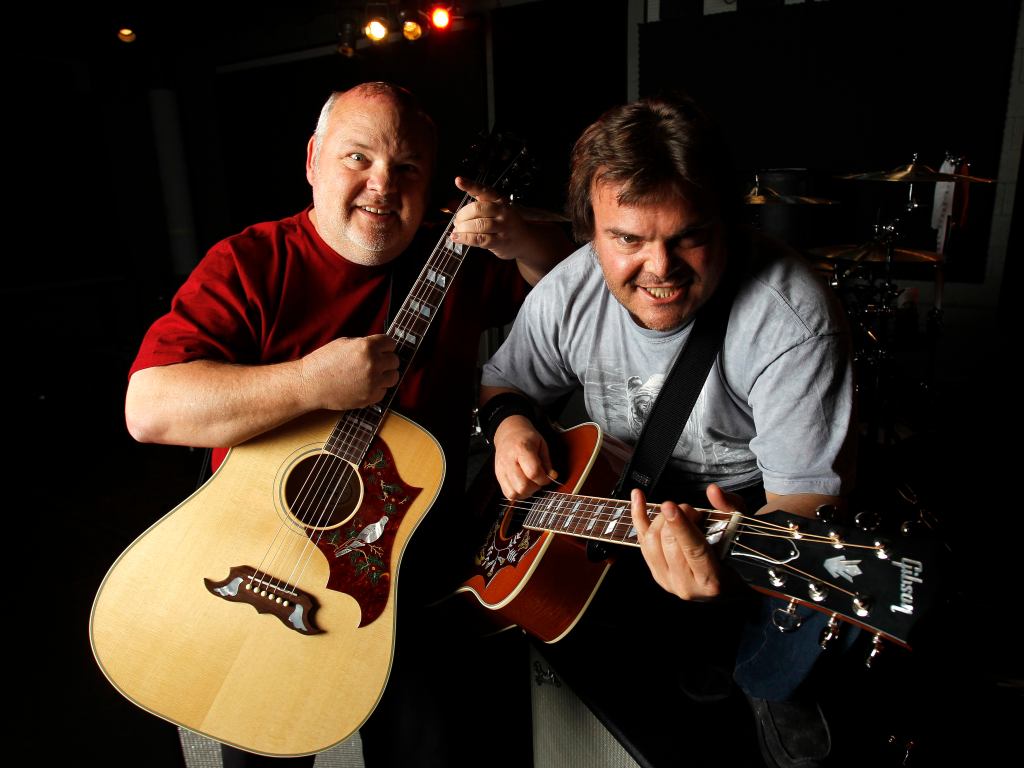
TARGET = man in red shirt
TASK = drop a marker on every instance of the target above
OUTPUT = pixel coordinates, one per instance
(288, 317)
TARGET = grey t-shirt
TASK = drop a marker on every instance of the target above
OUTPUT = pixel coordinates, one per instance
(777, 405)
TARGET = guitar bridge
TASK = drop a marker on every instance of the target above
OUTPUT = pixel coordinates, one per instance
(244, 584)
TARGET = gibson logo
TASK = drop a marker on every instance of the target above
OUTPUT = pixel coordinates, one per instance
(910, 574)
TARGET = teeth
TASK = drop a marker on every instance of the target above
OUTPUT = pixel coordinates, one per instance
(660, 293)
(375, 210)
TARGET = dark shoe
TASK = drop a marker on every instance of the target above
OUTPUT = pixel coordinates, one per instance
(792, 734)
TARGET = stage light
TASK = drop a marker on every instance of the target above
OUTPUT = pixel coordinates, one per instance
(412, 30)
(126, 35)
(376, 29)
(440, 17)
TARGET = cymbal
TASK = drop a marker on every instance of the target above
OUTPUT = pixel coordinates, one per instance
(760, 195)
(874, 251)
(913, 173)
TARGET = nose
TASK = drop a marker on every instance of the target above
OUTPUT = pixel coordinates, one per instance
(659, 258)
(381, 179)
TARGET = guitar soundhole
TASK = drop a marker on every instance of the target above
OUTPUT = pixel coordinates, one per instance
(322, 491)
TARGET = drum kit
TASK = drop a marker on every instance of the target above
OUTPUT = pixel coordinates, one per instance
(862, 275)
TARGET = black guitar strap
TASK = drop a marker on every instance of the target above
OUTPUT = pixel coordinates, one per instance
(675, 401)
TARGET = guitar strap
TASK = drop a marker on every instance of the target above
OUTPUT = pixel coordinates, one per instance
(675, 401)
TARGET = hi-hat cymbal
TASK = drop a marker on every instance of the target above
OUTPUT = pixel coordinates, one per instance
(761, 195)
(874, 251)
(913, 173)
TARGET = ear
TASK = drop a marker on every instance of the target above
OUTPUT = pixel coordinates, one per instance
(310, 170)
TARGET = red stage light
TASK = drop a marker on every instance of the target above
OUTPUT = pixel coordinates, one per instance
(440, 17)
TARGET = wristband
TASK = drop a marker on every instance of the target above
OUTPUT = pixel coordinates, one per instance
(499, 408)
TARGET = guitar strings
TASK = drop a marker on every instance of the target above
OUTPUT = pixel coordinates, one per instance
(793, 569)
(444, 260)
(326, 482)
(333, 474)
(590, 505)
(523, 509)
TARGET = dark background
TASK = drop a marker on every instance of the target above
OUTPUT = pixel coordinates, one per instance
(815, 90)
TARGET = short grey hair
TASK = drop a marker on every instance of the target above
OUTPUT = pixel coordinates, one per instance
(401, 96)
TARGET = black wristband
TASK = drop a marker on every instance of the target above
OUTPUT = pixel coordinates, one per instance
(499, 408)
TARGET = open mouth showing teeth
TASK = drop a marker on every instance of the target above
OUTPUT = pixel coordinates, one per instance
(661, 293)
(377, 211)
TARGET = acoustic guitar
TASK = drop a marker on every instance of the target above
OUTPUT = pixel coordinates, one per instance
(533, 569)
(261, 611)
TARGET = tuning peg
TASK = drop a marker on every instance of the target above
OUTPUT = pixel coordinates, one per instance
(830, 632)
(817, 591)
(868, 520)
(785, 619)
(877, 644)
(882, 549)
(862, 605)
(776, 577)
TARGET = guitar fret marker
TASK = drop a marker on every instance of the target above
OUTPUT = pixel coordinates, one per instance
(421, 307)
(593, 519)
(546, 506)
(614, 521)
(437, 278)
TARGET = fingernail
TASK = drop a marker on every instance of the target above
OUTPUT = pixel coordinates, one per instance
(669, 513)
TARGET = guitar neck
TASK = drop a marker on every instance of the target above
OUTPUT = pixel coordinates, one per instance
(356, 429)
(855, 577)
(593, 517)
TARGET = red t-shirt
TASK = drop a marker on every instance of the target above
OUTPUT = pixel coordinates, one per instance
(277, 291)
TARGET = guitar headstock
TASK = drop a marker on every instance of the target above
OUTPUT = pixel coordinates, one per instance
(500, 161)
(882, 584)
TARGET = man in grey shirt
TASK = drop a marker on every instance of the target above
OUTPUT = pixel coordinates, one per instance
(650, 192)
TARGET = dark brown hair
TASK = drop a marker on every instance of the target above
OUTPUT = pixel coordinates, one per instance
(655, 148)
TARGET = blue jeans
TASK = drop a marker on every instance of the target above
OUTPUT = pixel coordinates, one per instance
(771, 664)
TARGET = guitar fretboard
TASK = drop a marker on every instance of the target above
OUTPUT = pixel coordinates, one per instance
(356, 429)
(593, 517)
(587, 516)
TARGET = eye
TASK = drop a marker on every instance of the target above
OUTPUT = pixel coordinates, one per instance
(357, 156)
(628, 244)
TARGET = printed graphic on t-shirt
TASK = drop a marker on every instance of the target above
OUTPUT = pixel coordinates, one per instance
(621, 401)
(640, 396)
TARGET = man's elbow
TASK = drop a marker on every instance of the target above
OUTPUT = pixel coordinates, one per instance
(140, 414)
(141, 425)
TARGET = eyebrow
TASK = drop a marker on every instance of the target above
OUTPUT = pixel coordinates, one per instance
(686, 231)
(410, 155)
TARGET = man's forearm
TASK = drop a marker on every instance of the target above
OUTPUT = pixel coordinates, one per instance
(538, 251)
(802, 504)
(208, 404)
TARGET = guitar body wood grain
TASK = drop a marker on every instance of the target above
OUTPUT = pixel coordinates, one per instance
(224, 670)
(538, 580)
